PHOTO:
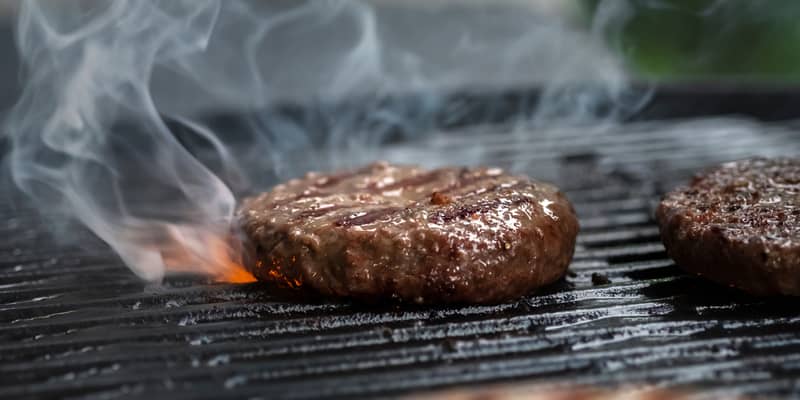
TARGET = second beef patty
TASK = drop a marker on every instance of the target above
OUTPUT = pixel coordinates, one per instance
(738, 224)
(468, 235)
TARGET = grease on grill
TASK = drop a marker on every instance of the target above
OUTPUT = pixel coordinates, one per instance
(600, 279)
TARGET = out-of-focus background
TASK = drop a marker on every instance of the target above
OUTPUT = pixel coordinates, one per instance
(9, 62)
(753, 42)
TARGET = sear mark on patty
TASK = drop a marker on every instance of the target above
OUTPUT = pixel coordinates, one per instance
(368, 217)
(440, 199)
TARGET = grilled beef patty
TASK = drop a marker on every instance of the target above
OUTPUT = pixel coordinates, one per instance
(739, 225)
(424, 236)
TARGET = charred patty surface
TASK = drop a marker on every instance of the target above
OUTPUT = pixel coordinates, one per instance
(739, 225)
(403, 232)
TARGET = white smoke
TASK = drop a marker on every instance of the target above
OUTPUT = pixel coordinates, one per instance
(88, 135)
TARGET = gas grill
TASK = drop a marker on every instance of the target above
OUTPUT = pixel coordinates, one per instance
(77, 323)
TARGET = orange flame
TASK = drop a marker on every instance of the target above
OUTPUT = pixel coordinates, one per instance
(229, 269)
(205, 252)
(277, 275)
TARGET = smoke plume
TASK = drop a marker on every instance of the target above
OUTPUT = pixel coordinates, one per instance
(116, 93)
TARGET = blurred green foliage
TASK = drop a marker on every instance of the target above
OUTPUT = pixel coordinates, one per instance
(708, 39)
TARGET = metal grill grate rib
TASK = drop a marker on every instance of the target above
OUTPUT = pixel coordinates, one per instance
(76, 323)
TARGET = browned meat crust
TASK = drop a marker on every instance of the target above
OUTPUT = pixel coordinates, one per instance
(739, 225)
(425, 236)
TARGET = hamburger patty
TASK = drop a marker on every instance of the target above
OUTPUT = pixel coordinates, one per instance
(424, 236)
(738, 224)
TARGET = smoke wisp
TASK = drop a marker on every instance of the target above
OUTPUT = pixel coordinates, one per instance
(89, 138)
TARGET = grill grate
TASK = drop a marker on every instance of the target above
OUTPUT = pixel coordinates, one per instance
(76, 323)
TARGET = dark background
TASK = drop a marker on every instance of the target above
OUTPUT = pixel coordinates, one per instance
(10, 84)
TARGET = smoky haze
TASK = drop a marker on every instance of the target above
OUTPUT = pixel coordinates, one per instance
(89, 139)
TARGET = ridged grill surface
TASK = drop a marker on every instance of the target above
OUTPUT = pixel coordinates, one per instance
(77, 323)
